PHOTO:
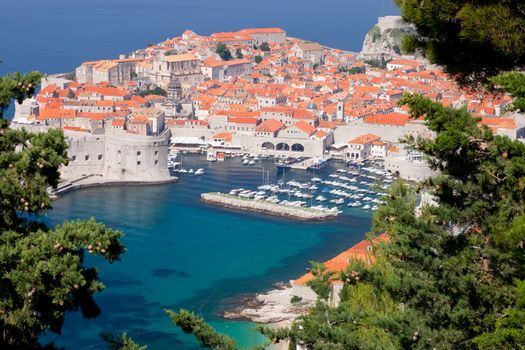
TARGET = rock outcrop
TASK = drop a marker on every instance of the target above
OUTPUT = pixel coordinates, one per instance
(385, 37)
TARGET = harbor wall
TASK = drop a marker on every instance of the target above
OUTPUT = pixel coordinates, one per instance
(295, 213)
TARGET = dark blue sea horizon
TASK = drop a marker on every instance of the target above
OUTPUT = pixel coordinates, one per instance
(55, 36)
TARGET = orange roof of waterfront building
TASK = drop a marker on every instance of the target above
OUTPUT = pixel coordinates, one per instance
(362, 251)
(364, 139)
(270, 125)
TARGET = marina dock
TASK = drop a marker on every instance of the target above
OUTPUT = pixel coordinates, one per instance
(291, 212)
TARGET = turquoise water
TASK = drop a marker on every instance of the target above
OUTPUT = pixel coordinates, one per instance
(182, 253)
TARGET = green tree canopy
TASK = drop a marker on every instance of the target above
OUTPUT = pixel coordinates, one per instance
(473, 40)
(264, 47)
(224, 52)
(42, 271)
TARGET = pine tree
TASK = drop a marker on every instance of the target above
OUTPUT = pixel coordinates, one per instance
(42, 270)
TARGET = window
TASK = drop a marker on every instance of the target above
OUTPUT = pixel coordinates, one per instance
(73, 158)
(99, 156)
(138, 162)
(156, 162)
(156, 152)
(86, 157)
(138, 153)
(119, 152)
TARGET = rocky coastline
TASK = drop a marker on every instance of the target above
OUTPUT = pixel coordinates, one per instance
(271, 308)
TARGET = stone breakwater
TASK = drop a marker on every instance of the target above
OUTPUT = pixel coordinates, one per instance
(296, 213)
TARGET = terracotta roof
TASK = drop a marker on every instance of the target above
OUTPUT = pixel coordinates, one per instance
(362, 251)
(270, 125)
(305, 127)
(226, 136)
(364, 139)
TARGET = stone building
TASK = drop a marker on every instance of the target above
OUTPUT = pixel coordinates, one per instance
(268, 35)
(113, 71)
(117, 157)
(312, 52)
(185, 68)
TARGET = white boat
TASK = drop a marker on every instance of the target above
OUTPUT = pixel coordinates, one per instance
(245, 162)
(199, 171)
(251, 162)
(320, 198)
(366, 206)
(210, 157)
(191, 171)
(340, 201)
(183, 171)
(316, 179)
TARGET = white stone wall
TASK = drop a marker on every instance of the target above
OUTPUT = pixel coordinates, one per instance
(117, 157)
(409, 170)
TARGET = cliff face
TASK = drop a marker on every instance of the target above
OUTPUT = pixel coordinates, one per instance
(385, 37)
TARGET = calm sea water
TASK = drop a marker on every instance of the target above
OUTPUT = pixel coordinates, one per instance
(182, 253)
(57, 35)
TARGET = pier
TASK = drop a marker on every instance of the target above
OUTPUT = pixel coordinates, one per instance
(291, 212)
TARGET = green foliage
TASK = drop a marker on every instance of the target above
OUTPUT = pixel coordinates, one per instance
(157, 90)
(121, 342)
(204, 333)
(17, 86)
(258, 59)
(377, 63)
(264, 47)
(375, 32)
(295, 299)
(42, 270)
(224, 52)
(514, 83)
(238, 53)
(352, 70)
(473, 40)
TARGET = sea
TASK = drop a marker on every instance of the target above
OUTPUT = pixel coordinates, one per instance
(180, 252)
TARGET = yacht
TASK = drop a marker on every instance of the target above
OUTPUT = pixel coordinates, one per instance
(320, 198)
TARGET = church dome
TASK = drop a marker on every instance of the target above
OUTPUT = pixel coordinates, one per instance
(312, 106)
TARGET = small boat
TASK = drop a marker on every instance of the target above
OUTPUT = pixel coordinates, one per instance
(320, 198)
(340, 201)
(191, 171)
(245, 162)
(199, 171)
(183, 171)
(251, 162)
(366, 206)
(316, 179)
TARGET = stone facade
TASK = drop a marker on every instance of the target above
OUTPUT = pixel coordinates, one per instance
(117, 157)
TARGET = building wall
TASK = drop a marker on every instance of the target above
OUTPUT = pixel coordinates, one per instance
(389, 133)
(409, 170)
(117, 157)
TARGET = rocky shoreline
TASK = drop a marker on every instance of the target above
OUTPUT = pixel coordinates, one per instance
(272, 307)
(296, 213)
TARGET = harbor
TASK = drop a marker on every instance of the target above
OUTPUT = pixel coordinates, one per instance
(287, 210)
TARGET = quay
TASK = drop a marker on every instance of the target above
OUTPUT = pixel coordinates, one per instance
(291, 212)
